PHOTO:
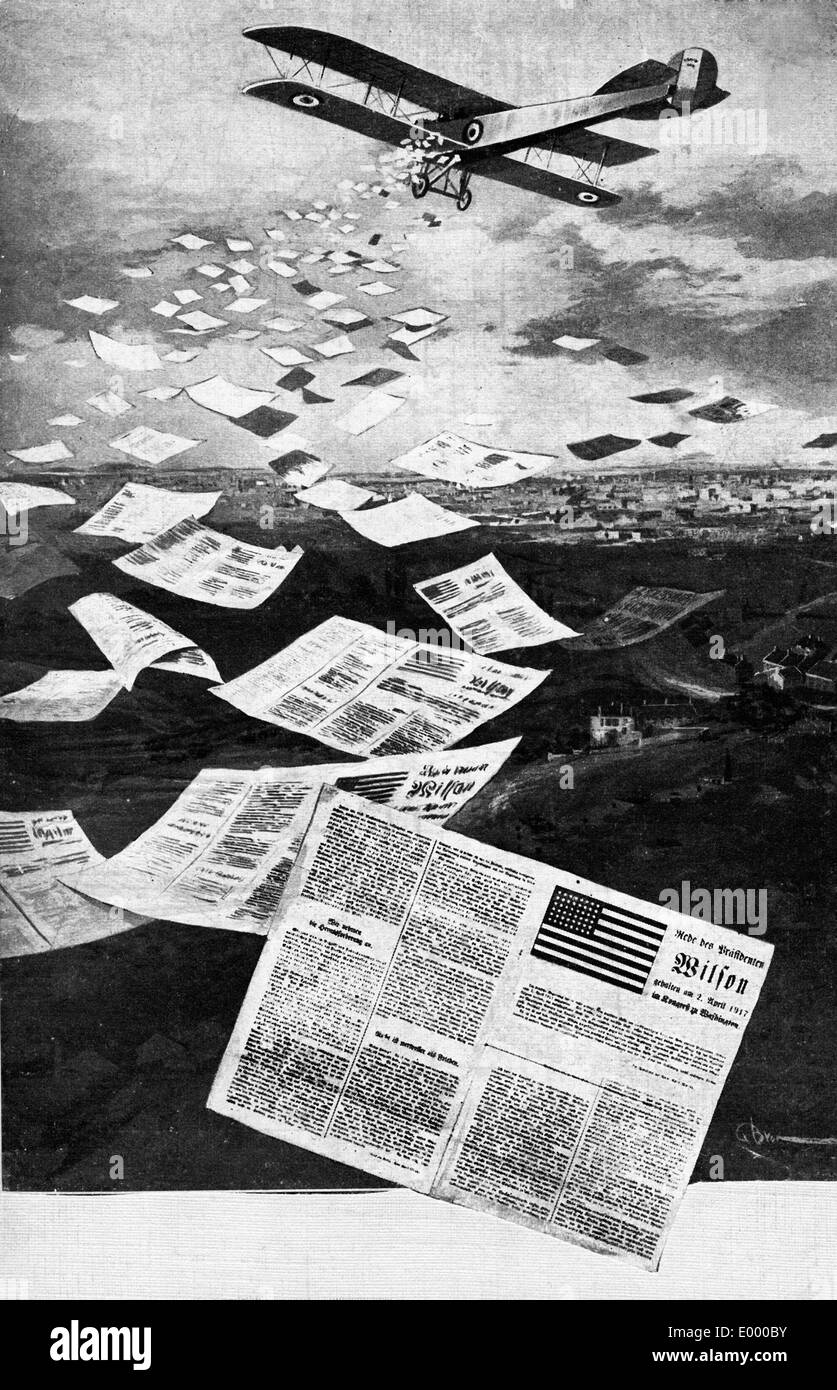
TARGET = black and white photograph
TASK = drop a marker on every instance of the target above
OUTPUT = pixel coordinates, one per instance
(418, 677)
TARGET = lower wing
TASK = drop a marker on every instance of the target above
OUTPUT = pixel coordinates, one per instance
(537, 179)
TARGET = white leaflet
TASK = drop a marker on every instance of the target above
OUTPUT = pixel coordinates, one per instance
(132, 639)
(38, 912)
(138, 512)
(412, 518)
(366, 692)
(370, 411)
(226, 398)
(197, 563)
(62, 697)
(53, 452)
(220, 856)
(91, 304)
(574, 344)
(128, 357)
(336, 496)
(190, 242)
(152, 445)
(22, 497)
(456, 460)
(484, 606)
(110, 403)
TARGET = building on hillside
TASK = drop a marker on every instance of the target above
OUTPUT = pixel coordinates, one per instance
(613, 731)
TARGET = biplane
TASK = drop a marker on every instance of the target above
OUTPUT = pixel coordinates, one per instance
(449, 132)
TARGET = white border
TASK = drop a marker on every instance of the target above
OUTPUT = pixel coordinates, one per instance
(739, 1241)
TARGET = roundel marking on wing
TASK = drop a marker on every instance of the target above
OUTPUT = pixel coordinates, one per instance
(472, 132)
(307, 100)
(586, 197)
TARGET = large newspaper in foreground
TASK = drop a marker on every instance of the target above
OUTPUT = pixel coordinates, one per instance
(365, 691)
(487, 1029)
(221, 855)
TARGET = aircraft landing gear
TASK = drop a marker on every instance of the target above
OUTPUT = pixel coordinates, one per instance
(436, 173)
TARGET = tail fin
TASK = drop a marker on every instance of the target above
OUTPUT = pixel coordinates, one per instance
(646, 74)
(692, 75)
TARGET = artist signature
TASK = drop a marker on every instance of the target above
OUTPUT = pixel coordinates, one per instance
(748, 1133)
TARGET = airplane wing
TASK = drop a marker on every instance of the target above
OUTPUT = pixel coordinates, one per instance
(594, 147)
(329, 106)
(537, 179)
(362, 64)
(377, 125)
(313, 49)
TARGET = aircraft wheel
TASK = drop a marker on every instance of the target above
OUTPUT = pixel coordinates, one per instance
(420, 186)
(463, 202)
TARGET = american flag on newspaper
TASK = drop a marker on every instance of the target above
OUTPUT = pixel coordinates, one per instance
(597, 938)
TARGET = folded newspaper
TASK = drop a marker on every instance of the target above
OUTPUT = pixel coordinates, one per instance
(489, 1030)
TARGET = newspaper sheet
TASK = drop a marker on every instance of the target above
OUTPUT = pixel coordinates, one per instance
(54, 451)
(642, 613)
(489, 1030)
(370, 411)
(132, 639)
(221, 854)
(413, 518)
(38, 912)
(364, 691)
(62, 696)
(150, 445)
(138, 512)
(23, 497)
(194, 562)
(222, 396)
(484, 606)
(127, 357)
(336, 496)
(456, 460)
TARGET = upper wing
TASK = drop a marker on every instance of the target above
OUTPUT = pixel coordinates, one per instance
(449, 100)
(329, 106)
(536, 179)
(363, 64)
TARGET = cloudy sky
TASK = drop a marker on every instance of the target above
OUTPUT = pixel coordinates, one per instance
(124, 122)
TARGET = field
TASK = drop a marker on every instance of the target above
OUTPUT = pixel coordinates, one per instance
(110, 1048)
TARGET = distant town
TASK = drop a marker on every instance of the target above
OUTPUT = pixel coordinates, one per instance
(633, 507)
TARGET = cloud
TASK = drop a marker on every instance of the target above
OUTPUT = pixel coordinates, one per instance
(714, 284)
